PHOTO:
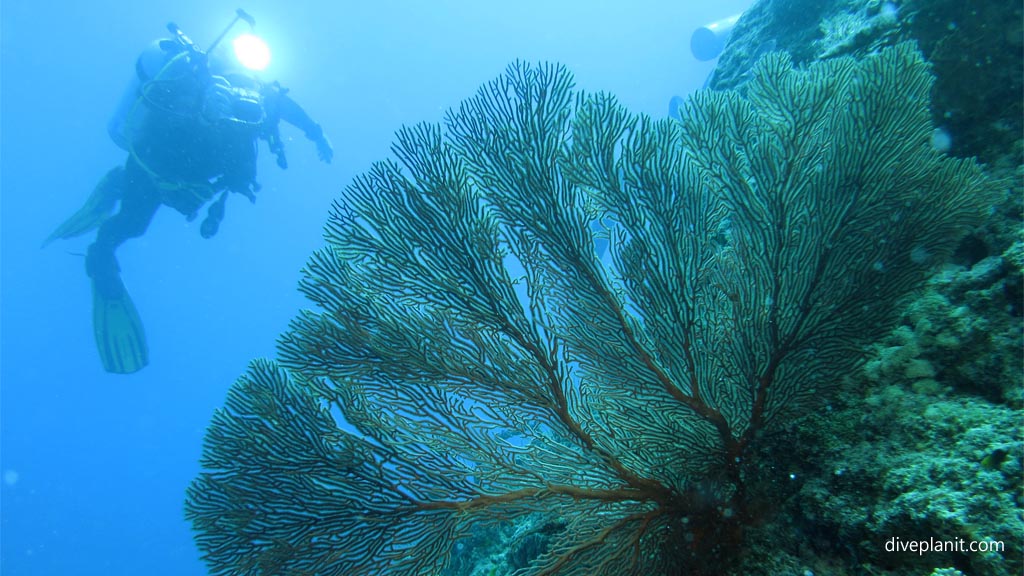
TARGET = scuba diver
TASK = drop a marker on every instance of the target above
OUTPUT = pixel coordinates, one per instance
(190, 122)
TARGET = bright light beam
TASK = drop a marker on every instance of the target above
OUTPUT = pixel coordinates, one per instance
(251, 51)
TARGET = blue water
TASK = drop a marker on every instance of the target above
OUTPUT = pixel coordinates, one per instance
(94, 466)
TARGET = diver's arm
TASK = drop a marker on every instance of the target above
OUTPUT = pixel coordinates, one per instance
(289, 111)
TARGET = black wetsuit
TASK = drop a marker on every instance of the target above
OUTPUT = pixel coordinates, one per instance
(182, 159)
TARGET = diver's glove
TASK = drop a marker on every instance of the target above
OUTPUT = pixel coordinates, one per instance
(324, 151)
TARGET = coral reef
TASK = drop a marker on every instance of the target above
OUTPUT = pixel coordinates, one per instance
(975, 49)
(474, 360)
(925, 440)
(912, 448)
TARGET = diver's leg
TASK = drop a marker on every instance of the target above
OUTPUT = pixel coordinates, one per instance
(97, 208)
(120, 336)
(138, 205)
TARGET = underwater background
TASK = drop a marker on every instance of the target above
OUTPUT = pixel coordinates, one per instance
(95, 465)
(922, 439)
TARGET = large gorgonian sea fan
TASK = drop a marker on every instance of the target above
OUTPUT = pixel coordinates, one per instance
(492, 366)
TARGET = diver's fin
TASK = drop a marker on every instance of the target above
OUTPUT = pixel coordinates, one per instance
(120, 337)
(98, 207)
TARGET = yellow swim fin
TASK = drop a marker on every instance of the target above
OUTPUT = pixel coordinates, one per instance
(98, 207)
(120, 337)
